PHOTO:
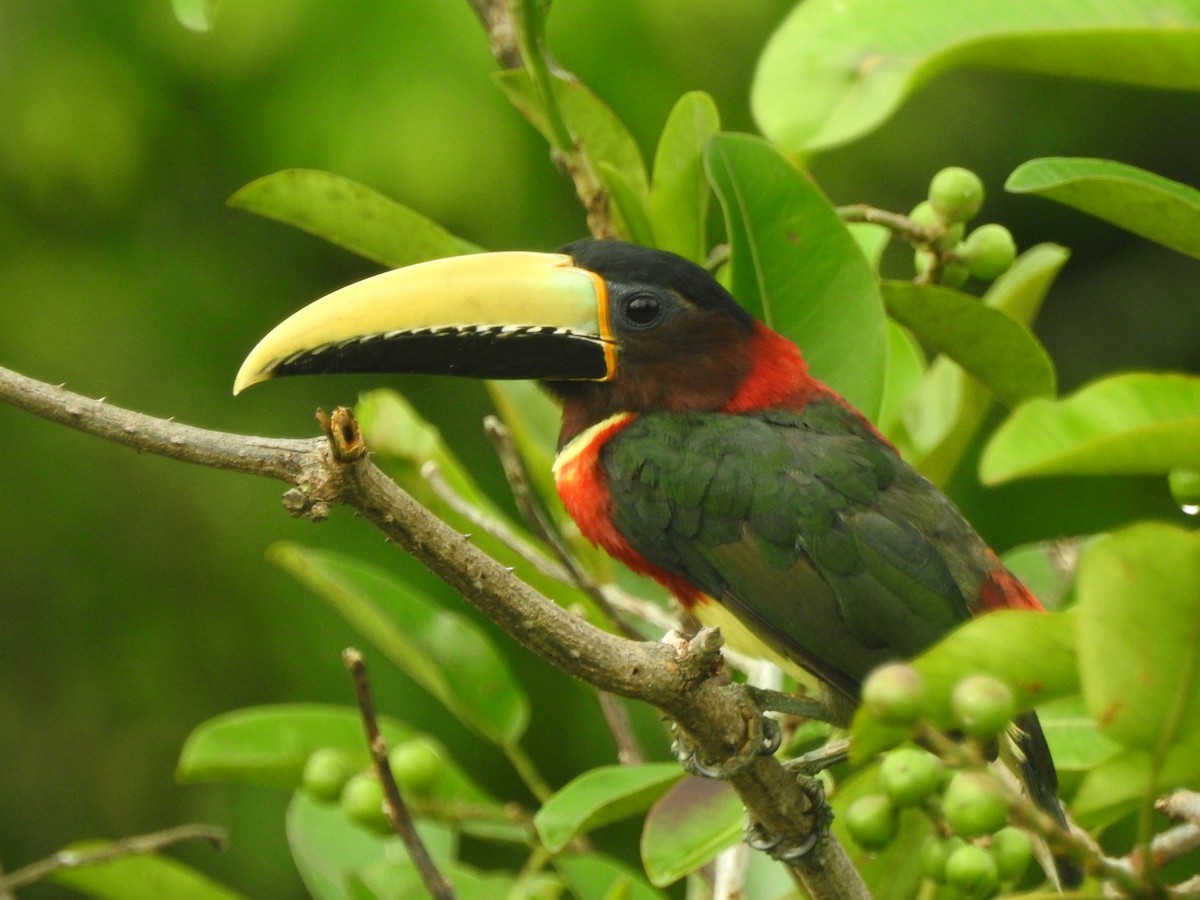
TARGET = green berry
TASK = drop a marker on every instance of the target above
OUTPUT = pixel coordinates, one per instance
(1012, 850)
(988, 251)
(326, 773)
(1185, 488)
(362, 802)
(908, 775)
(872, 821)
(951, 236)
(925, 215)
(416, 765)
(895, 695)
(972, 870)
(934, 855)
(982, 706)
(956, 194)
(974, 805)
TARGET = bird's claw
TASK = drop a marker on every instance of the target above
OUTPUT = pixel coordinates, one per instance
(764, 738)
(777, 846)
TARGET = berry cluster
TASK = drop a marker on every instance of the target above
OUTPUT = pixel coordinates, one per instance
(955, 197)
(334, 776)
(975, 850)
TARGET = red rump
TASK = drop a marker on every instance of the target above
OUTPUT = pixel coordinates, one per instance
(1002, 590)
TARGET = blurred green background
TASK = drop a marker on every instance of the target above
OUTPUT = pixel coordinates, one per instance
(135, 601)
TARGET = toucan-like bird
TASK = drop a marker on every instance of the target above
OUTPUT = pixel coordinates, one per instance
(695, 448)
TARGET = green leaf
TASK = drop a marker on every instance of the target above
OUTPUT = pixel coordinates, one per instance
(269, 745)
(633, 219)
(600, 134)
(1139, 639)
(997, 349)
(1074, 738)
(796, 267)
(834, 70)
(1033, 652)
(1139, 423)
(447, 654)
(679, 193)
(139, 876)
(906, 368)
(328, 848)
(351, 215)
(591, 876)
(1139, 201)
(947, 411)
(688, 826)
(599, 797)
(196, 15)
(532, 420)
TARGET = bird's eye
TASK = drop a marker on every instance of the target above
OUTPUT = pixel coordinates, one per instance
(642, 309)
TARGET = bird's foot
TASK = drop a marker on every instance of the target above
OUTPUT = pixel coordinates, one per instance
(779, 846)
(809, 764)
(789, 704)
(763, 738)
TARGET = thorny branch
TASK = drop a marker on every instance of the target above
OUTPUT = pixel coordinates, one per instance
(685, 682)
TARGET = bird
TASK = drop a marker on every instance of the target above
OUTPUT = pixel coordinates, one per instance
(696, 448)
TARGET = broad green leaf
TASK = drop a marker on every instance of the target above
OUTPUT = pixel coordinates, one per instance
(602, 137)
(1139, 423)
(269, 745)
(679, 192)
(1130, 779)
(905, 369)
(1034, 652)
(137, 876)
(835, 70)
(1139, 638)
(629, 205)
(872, 240)
(599, 797)
(351, 215)
(796, 267)
(1139, 201)
(1047, 568)
(688, 826)
(196, 15)
(591, 876)
(447, 654)
(995, 348)
(398, 879)
(895, 872)
(946, 412)
(1074, 738)
(327, 847)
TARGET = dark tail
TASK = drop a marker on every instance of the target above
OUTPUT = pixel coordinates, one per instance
(1041, 781)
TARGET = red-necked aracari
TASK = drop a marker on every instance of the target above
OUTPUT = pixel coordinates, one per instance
(695, 448)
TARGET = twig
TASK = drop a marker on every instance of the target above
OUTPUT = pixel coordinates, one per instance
(514, 30)
(497, 20)
(682, 684)
(518, 483)
(397, 811)
(497, 528)
(629, 751)
(900, 225)
(128, 846)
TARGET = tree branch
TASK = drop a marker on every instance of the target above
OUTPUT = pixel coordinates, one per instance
(687, 684)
